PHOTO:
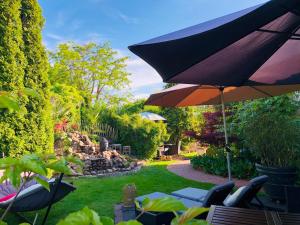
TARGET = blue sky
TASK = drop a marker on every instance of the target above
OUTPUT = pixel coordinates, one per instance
(126, 22)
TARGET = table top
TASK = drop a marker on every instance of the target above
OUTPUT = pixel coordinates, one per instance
(220, 215)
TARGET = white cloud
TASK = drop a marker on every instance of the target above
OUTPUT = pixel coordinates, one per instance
(141, 73)
(96, 37)
(127, 19)
(76, 24)
(60, 19)
(141, 96)
(55, 37)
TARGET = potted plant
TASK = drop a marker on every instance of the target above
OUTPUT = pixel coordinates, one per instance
(269, 128)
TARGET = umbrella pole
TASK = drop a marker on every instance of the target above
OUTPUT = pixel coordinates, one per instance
(225, 132)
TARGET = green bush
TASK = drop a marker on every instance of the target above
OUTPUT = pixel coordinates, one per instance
(144, 136)
(270, 129)
(214, 162)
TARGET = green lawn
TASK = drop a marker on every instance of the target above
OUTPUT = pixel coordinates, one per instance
(101, 194)
(189, 155)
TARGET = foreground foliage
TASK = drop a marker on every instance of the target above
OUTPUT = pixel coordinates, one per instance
(31, 166)
(87, 216)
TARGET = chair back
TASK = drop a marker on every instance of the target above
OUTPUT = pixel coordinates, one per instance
(244, 195)
(217, 194)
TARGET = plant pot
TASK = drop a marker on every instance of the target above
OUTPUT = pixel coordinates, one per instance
(278, 177)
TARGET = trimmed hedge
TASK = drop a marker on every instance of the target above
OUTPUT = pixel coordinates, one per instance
(144, 136)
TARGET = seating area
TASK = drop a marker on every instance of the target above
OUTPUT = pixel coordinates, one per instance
(218, 195)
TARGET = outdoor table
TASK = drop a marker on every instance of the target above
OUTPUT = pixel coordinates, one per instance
(117, 147)
(221, 215)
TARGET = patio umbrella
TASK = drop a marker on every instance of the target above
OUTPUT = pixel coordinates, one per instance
(258, 46)
(152, 116)
(183, 95)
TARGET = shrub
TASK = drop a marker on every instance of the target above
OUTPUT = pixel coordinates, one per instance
(214, 162)
(269, 127)
(144, 136)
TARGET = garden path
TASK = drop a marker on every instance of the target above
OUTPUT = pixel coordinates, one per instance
(184, 169)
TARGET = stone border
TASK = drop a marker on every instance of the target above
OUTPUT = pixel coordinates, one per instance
(112, 174)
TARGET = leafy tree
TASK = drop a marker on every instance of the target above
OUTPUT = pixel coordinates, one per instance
(93, 69)
(137, 106)
(39, 125)
(66, 101)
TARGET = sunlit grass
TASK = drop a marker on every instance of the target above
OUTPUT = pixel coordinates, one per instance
(101, 194)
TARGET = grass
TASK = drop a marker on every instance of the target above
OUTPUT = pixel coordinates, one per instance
(101, 194)
(189, 155)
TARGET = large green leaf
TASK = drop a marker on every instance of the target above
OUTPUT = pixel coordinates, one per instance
(42, 182)
(14, 175)
(3, 223)
(31, 92)
(94, 217)
(188, 215)
(75, 160)
(33, 163)
(59, 166)
(85, 216)
(106, 220)
(167, 204)
(7, 102)
(130, 222)
(7, 162)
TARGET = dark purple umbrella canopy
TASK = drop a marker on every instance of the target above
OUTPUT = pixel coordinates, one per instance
(255, 46)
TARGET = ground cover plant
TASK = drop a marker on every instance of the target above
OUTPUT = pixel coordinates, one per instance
(102, 194)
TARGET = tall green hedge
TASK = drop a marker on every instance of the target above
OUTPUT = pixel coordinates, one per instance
(12, 63)
(144, 136)
(36, 78)
(23, 63)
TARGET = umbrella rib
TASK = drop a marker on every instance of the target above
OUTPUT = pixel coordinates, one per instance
(278, 32)
(261, 91)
